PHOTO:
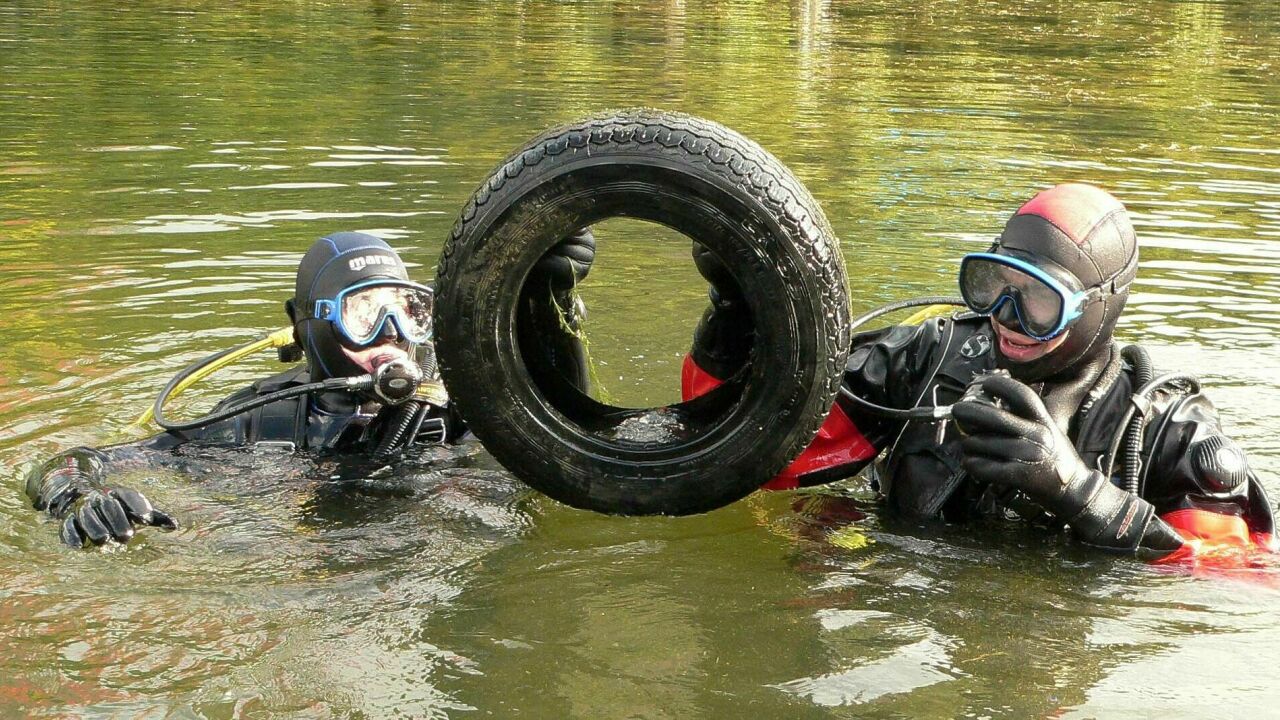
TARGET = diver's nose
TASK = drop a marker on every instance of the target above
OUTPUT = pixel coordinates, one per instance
(1007, 315)
(390, 332)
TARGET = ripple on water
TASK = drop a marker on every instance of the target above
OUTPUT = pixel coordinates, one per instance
(911, 656)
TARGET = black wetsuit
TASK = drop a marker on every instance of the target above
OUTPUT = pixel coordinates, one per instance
(330, 423)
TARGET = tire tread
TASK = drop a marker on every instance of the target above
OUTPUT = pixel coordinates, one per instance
(737, 158)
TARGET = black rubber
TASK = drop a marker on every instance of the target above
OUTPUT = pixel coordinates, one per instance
(716, 187)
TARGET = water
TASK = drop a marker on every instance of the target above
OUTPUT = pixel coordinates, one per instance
(163, 166)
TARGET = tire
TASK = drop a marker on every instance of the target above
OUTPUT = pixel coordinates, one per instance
(718, 188)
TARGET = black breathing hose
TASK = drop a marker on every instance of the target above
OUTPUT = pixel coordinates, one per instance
(1143, 373)
(398, 426)
(392, 382)
(936, 413)
(404, 426)
(1135, 417)
(229, 412)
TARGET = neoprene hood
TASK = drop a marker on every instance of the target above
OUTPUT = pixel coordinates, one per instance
(1086, 232)
(333, 263)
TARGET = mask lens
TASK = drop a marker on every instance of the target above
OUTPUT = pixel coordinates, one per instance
(985, 281)
(982, 283)
(1040, 307)
(364, 312)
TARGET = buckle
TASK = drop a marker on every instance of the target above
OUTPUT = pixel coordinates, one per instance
(325, 310)
(432, 430)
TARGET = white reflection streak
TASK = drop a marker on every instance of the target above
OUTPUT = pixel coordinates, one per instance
(1161, 686)
(132, 148)
(289, 186)
(383, 156)
(919, 664)
(218, 223)
(911, 667)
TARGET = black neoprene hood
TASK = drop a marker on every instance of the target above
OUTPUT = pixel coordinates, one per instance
(1085, 231)
(333, 263)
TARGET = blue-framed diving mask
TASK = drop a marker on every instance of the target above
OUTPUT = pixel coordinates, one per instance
(1045, 302)
(362, 311)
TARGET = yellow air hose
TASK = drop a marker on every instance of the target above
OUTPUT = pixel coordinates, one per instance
(277, 339)
(928, 312)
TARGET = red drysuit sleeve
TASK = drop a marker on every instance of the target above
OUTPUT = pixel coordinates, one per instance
(839, 445)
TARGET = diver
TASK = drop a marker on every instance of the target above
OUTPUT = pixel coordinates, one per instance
(1022, 405)
(364, 329)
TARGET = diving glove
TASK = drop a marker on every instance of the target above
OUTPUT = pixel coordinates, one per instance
(70, 487)
(567, 262)
(725, 335)
(1013, 442)
(551, 313)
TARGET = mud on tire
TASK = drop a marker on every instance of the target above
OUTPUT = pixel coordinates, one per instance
(716, 187)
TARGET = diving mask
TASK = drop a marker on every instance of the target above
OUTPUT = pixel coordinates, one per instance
(1044, 304)
(361, 312)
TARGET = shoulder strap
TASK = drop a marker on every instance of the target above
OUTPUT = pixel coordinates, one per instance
(282, 423)
(279, 424)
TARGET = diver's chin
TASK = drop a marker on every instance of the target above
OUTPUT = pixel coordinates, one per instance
(373, 357)
(1018, 348)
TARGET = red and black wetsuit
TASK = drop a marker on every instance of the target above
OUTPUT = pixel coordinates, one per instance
(919, 472)
(1194, 490)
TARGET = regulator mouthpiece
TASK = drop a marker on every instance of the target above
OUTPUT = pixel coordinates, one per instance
(396, 381)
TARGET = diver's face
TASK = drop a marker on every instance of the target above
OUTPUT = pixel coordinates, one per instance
(1020, 348)
(382, 351)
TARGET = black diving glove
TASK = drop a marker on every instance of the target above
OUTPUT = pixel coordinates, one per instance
(70, 488)
(550, 313)
(724, 289)
(723, 339)
(567, 262)
(1013, 442)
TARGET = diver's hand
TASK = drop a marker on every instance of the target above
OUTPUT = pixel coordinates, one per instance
(724, 289)
(101, 515)
(1022, 447)
(71, 487)
(567, 262)
(725, 335)
(1019, 445)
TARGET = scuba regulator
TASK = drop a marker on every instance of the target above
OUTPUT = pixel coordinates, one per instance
(397, 382)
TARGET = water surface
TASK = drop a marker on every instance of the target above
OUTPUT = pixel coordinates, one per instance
(164, 165)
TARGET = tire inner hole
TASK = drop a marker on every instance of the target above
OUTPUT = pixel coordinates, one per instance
(643, 299)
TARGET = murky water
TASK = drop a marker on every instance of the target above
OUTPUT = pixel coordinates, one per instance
(163, 165)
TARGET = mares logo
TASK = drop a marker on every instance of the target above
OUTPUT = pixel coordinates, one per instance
(360, 263)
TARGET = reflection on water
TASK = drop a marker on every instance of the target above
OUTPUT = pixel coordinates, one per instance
(278, 565)
(918, 657)
(162, 168)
